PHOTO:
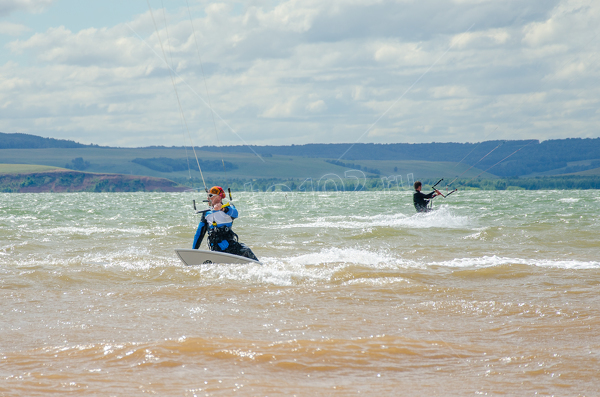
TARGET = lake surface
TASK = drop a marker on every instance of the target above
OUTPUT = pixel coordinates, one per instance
(494, 293)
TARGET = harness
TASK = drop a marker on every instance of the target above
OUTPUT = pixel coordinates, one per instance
(218, 234)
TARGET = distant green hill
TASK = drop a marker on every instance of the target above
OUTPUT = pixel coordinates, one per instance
(26, 141)
(500, 158)
(238, 165)
(508, 158)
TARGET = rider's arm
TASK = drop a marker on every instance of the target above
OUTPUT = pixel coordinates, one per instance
(202, 227)
(429, 195)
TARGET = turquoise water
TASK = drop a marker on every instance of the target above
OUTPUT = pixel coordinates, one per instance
(494, 292)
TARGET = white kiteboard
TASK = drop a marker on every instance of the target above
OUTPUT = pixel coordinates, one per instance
(193, 257)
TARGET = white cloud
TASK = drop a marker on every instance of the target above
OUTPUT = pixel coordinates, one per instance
(482, 39)
(90, 47)
(406, 53)
(317, 106)
(7, 7)
(575, 21)
(289, 108)
(12, 29)
(540, 32)
(312, 71)
(450, 92)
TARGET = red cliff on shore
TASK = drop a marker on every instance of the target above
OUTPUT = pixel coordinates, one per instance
(74, 181)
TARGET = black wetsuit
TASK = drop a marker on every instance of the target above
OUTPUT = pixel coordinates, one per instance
(421, 200)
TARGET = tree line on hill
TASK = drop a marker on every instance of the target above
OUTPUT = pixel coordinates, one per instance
(26, 141)
(381, 184)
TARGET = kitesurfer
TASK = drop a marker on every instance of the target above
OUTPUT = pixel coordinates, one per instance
(421, 200)
(217, 222)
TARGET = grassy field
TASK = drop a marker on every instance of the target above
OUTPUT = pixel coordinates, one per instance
(26, 168)
(592, 172)
(115, 160)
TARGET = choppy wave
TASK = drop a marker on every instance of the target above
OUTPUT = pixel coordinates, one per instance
(442, 217)
(323, 266)
(491, 261)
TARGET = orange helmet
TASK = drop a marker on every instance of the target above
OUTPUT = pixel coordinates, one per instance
(217, 190)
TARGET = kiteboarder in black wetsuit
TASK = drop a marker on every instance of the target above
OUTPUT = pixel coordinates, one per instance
(421, 200)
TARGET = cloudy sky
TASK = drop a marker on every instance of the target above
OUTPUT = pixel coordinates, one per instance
(280, 72)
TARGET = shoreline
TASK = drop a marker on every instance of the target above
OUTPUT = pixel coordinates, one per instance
(68, 181)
